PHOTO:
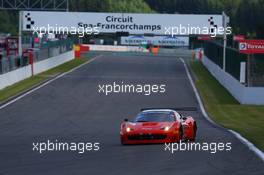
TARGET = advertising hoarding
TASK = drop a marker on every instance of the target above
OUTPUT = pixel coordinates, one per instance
(251, 46)
(238, 37)
(156, 40)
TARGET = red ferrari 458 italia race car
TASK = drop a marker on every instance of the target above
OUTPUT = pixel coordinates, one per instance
(158, 126)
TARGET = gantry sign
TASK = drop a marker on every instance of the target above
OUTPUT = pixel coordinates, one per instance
(156, 24)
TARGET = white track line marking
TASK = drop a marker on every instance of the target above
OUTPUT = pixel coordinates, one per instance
(48, 82)
(250, 145)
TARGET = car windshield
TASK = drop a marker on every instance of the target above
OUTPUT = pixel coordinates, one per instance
(155, 117)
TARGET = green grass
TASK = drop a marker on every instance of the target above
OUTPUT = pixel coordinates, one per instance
(29, 82)
(248, 120)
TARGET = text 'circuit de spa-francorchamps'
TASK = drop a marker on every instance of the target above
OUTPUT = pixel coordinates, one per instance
(131, 87)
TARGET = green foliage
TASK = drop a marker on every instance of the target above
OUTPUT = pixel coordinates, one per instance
(225, 110)
(246, 17)
(8, 22)
(135, 6)
(249, 18)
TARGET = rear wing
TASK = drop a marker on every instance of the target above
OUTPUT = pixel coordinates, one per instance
(175, 109)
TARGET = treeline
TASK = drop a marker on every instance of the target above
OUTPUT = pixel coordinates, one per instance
(246, 16)
(8, 22)
(133, 6)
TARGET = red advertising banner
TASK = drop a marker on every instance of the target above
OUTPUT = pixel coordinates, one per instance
(204, 37)
(251, 46)
(238, 37)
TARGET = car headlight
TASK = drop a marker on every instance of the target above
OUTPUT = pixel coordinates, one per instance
(166, 128)
(128, 129)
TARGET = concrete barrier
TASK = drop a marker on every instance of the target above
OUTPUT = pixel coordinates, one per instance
(15, 76)
(53, 62)
(243, 94)
(22, 73)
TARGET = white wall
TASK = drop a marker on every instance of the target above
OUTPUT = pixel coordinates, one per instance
(12, 77)
(245, 95)
(17, 75)
(53, 62)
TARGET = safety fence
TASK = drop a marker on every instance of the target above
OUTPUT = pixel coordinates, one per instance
(44, 51)
(214, 51)
(257, 70)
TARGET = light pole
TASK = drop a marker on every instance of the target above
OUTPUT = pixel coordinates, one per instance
(20, 25)
(225, 22)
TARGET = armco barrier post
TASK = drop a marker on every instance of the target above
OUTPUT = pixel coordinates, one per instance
(248, 70)
(77, 51)
(29, 55)
(193, 55)
(201, 53)
(31, 62)
(155, 50)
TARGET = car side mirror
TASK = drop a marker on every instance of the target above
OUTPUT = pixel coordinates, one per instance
(125, 120)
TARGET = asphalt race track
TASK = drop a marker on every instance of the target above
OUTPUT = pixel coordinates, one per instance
(70, 109)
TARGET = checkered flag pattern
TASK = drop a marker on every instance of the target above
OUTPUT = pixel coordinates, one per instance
(30, 22)
(212, 24)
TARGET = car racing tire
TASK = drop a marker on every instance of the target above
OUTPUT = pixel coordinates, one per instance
(122, 141)
(180, 133)
(194, 131)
